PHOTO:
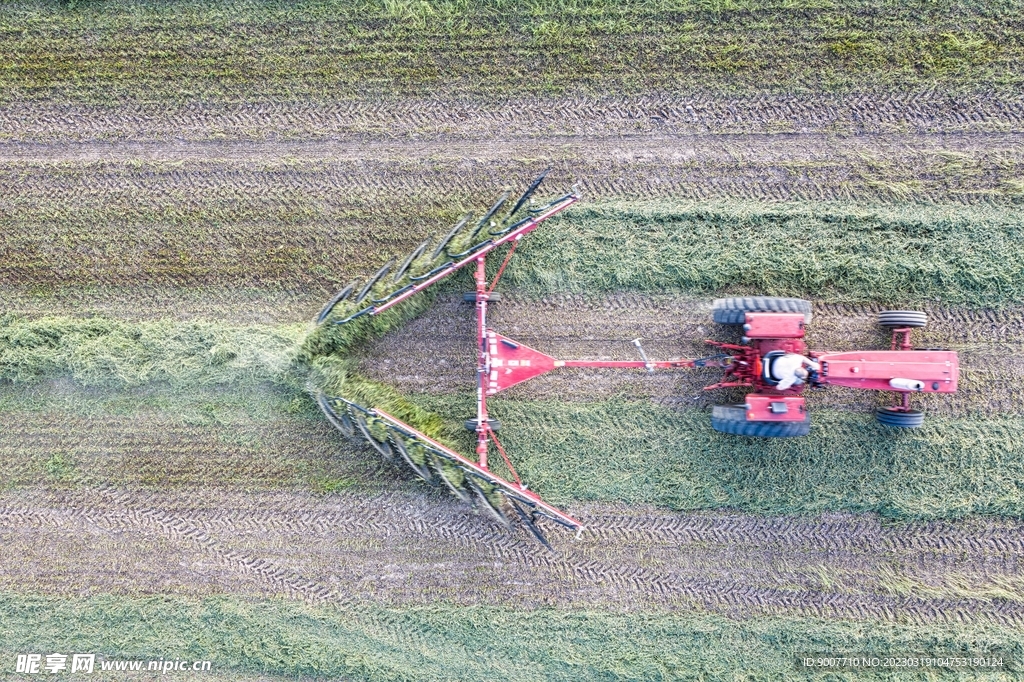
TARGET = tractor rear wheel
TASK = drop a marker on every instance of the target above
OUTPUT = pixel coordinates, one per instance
(734, 310)
(470, 424)
(902, 318)
(900, 419)
(733, 419)
(470, 297)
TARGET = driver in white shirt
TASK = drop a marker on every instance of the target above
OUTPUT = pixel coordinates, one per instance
(790, 370)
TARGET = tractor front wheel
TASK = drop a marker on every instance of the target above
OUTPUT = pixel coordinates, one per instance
(733, 419)
(471, 424)
(734, 310)
(470, 297)
(902, 318)
(900, 419)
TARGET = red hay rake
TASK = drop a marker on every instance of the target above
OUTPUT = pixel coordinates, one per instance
(772, 327)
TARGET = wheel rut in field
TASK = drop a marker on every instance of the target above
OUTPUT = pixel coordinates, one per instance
(135, 179)
(592, 116)
(433, 353)
(415, 548)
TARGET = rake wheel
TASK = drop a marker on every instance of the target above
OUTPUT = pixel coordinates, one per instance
(338, 298)
(443, 243)
(528, 193)
(490, 214)
(342, 422)
(490, 505)
(420, 468)
(531, 523)
(372, 282)
(416, 253)
(446, 473)
(381, 446)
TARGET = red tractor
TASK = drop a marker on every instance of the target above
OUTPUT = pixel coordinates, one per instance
(774, 327)
(773, 335)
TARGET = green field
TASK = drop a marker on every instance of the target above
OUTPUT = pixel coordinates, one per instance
(94, 51)
(186, 182)
(290, 640)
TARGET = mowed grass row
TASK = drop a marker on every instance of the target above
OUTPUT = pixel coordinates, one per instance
(289, 640)
(114, 354)
(969, 255)
(639, 453)
(836, 252)
(327, 49)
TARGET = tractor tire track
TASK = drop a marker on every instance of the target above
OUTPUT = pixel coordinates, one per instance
(406, 549)
(115, 512)
(296, 213)
(591, 116)
(137, 180)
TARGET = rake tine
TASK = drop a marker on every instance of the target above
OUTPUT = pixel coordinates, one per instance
(451, 235)
(373, 280)
(541, 209)
(459, 256)
(506, 230)
(417, 252)
(397, 292)
(428, 275)
(529, 191)
(490, 214)
(338, 298)
(531, 524)
(353, 316)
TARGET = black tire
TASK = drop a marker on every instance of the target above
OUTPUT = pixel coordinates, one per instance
(733, 419)
(902, 318)
(911, 419)
(470, 297)
(734, 310)
(470, 424)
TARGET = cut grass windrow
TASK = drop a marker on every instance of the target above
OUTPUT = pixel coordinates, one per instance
(634, 452)
(469, 643)
(972, 256)
(639, 453)
(111, 353)
(324, 49)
